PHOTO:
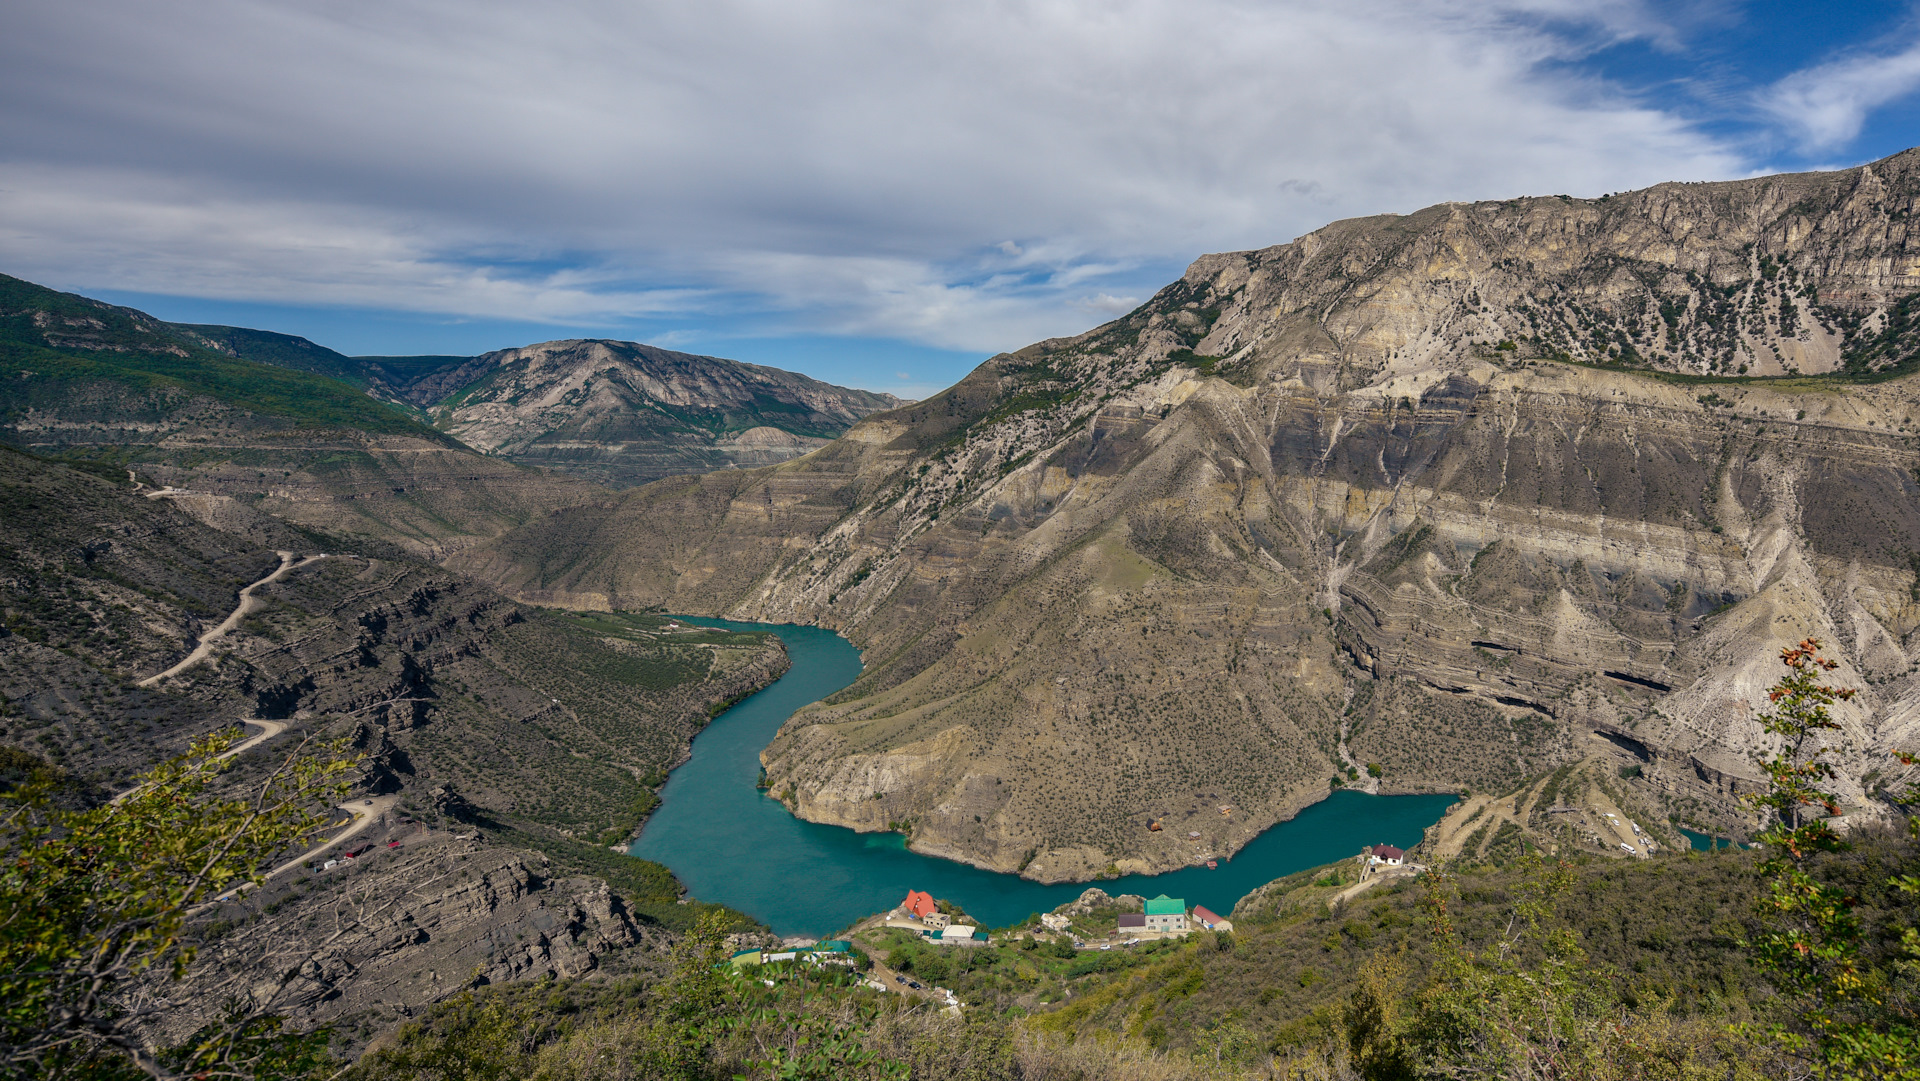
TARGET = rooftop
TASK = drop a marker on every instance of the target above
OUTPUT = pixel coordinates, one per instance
(1166, 906)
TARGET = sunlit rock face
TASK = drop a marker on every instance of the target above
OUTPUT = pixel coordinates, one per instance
(621, 413)
(1465, 494)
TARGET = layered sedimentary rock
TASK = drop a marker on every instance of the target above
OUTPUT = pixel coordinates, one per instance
(371, 940)
(1464, 494)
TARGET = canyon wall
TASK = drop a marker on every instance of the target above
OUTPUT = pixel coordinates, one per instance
(1465, 494)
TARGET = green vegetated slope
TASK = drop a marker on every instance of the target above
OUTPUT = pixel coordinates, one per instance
(1306, 985)
(280, 350)
(1502, 453)
(1662, 933)
(59, 345)
(191, 407)
(407, 382)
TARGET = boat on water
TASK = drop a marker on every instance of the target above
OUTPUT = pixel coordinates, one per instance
(1212, 864)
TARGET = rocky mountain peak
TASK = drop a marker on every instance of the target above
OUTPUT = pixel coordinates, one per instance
(1781, 275)
(624, 413)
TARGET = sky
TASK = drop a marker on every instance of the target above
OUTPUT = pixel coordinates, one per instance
(880, 195)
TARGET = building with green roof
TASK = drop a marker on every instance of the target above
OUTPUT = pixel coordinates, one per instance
(1167, 914)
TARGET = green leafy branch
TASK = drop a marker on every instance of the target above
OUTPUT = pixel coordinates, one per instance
(96, 905)
(1811, 946)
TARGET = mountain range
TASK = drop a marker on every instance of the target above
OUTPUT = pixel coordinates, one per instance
(427, 452)
(1466, 495)
(618, 413)
(1516, 499)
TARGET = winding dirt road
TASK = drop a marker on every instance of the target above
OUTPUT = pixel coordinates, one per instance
(365, 813)
(247, 604)
(268, 730)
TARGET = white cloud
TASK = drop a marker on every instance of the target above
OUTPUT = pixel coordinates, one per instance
(1108, 305)
(146, 234)
(857, 167)
(1828, 104)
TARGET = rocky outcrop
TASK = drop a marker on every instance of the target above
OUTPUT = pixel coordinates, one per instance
(1448, 493)
(622, 413)
(377, 938)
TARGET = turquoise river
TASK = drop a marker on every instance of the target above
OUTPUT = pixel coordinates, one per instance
(730, 843)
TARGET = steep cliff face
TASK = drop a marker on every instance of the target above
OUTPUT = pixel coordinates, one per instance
(1467, 494)
(621, 413)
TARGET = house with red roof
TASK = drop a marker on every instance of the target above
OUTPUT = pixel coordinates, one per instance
(919, 904)
(1386, 855)
(1206, 918)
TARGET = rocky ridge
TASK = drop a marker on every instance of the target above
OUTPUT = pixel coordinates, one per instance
(622, 413)
(506, 747)
(395, 930)
(1469, 494)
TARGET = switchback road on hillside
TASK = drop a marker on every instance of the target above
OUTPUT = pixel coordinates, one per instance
(365, 812)
(247, 604)
(268, 730)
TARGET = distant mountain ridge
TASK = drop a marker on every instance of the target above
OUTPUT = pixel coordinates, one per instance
(616, 412)
(56, 342)
(186, 408)
(622, 413)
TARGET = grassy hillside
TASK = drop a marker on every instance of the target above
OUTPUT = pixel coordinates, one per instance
(1301, 989)
(280, 350)
(1658, 931)
(61, 343)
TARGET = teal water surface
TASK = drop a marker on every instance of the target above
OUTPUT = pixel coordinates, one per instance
(732, 844)
(1706, 843)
